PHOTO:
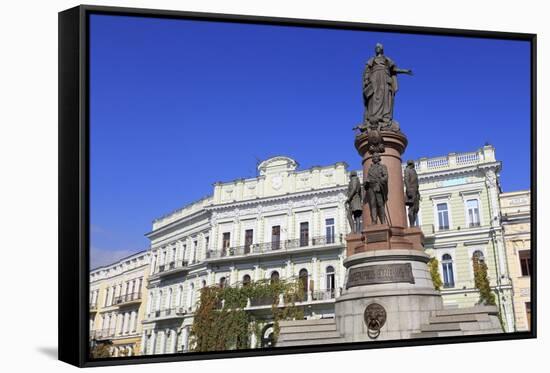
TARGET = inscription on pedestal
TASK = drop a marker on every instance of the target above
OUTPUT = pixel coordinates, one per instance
(380, 274)
(377, 237)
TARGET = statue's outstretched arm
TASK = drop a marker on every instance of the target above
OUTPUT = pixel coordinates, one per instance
(403, 71)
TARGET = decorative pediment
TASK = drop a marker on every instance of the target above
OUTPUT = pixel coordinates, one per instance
(277, 164)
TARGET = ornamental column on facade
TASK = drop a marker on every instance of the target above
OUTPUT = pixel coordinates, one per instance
(173, 341)
(153, 342)
(143, 343)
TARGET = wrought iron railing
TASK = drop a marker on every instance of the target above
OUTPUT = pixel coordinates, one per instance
(274, 246)
(126, 298)
(263, 301)
(167, 312)
(172, 266)
(102, 333)
(323, 294)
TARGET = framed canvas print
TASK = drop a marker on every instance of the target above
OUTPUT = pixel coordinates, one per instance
(233, 186)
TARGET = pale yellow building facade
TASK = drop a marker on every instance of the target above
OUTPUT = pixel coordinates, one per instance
(117, 299)
(516, 223)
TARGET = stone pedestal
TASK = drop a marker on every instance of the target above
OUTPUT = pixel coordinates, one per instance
(397, 280)
(386, 267)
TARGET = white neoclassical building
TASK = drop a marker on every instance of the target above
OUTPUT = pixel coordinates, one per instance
(290, 223)
(284, 224)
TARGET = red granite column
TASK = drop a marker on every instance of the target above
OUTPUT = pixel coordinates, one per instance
(394, 234)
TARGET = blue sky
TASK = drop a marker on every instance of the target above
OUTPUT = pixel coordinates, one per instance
(177, 105)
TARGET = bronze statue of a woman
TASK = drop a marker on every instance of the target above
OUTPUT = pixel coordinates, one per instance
(379, 88)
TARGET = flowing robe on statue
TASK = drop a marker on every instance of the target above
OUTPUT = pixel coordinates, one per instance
(379, 88)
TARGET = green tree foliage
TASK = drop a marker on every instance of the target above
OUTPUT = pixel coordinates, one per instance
(433, 264)
(481, 281)
(221, 322)
(101, 350)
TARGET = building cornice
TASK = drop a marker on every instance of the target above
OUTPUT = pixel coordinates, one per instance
(444, 173)
(280, 198)
(175, 223)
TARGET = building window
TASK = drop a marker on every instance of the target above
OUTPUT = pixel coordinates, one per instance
(274, 277)
(478, 255)
(226, 242)
(448, 276)
(168, 303)
(304, 233)
(191, 297)
(443, 216)
(150, 302)
(528, 314)
(159, 300)
(248, 239)
(303, 279)
(195, 247)
(276, 237)
(329, 229)
(179, 299)
(525, 262)
(246, 280)
(222, 282)
(331, 285)
(472, 206)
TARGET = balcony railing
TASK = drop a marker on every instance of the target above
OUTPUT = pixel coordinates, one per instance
(168, 312)
(276, 245)
(323, 294)
(475, 224)
(102, 333)
(262, 301)
(127, 298)
(178, 264)
(93, 307)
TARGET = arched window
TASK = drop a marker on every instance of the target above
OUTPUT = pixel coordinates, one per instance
(330, 280)
(448, 276)
(203, 283)
(222, 282)
(150, 302)
(246, 280)
(169, 299)
(478, 255)
(303, 278)
(274, 277)
(179, 297)
(159, 301)
(191, 295)
(267, 336)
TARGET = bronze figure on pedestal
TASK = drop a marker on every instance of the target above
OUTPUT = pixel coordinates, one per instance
(376, 185)
(412, 195)
(354, 203)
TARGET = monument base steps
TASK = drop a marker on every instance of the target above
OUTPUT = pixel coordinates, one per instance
(461, 321)
(308, 332)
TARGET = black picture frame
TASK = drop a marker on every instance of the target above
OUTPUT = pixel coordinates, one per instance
(74, 227)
